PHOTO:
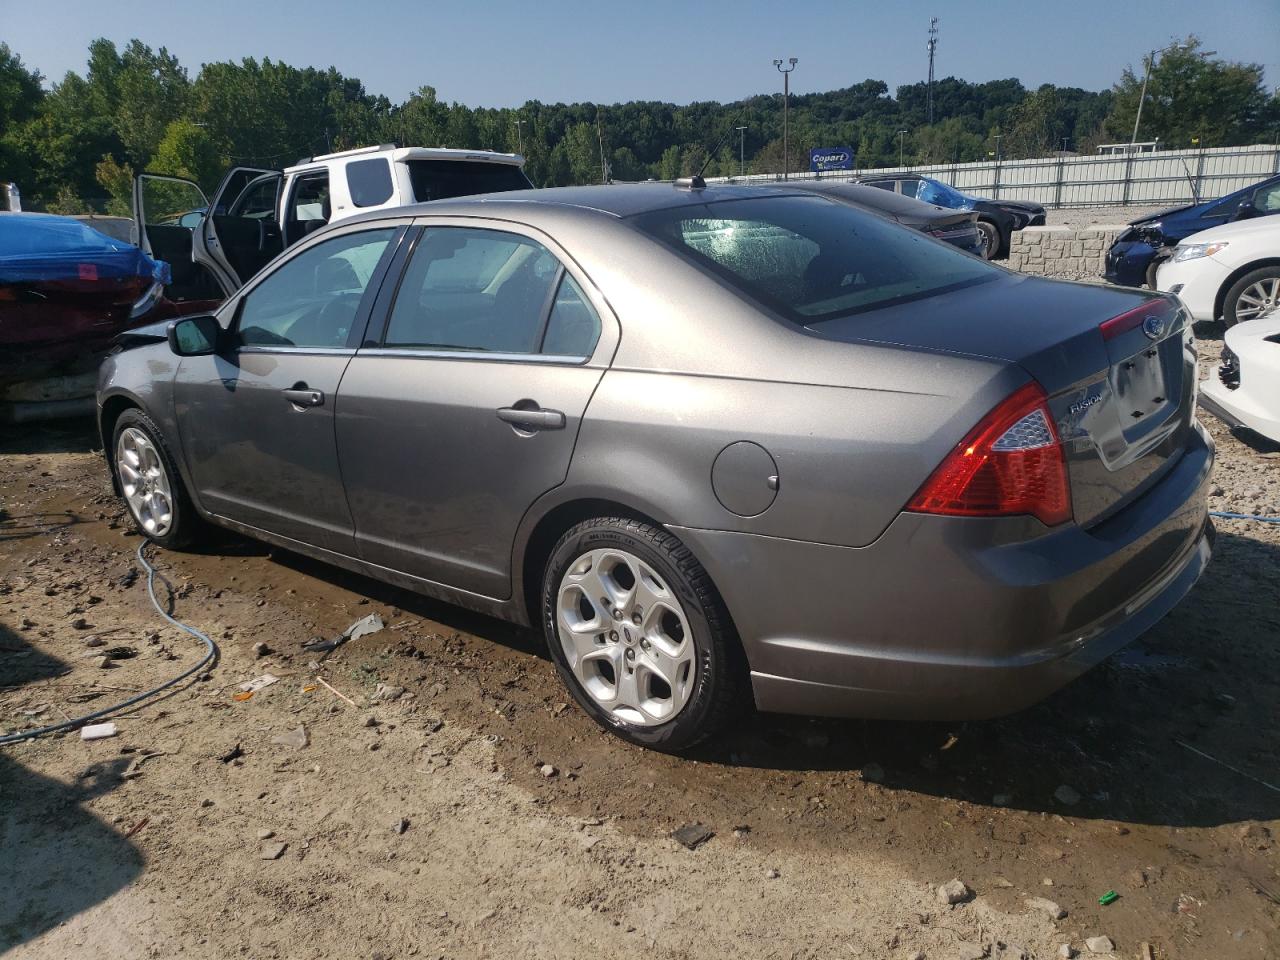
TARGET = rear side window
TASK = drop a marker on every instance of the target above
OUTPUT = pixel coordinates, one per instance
(441, 179)
(811, 259)
(488, 291)
(369, 181)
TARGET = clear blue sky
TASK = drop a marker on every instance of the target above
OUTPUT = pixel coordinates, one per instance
(502, 53)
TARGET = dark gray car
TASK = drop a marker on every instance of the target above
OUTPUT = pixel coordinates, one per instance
(718, 444)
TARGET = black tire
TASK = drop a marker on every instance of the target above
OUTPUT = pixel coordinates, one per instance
(991, 239)
(720, 673)
(1153, 267)
(1231, 301)
(186, 526)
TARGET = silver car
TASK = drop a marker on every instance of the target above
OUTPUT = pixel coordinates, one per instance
(721, 445)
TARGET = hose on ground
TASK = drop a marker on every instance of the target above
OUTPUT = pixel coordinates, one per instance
(211, 651)
(1225, 515)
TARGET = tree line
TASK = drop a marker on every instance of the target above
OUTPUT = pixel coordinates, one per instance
(75, 146)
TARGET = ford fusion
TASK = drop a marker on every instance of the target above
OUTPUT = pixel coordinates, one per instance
(721, 446)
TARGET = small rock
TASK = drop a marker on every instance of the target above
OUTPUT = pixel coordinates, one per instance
(1047, 882)
(234, 753)
(548, 771)
(1066, 951)
(80, 623)
(102, 663)
(371, 721)
(260, 649)
(387, 694)
(1216, 490)
(972, 951)
(401, 825)
(296, 738)
(265, 834)
(1255, 836)
(692, 835)
(273, 851)
(94, 642)
(873, 773)
(772, 874)
(1067, 795)
(1100, 945)
(953, 892)
(206, 802)
(1054, 911)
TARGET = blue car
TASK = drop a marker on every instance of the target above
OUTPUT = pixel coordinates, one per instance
(1149, 241)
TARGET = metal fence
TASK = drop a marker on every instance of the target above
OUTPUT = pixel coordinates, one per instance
(1167, 177)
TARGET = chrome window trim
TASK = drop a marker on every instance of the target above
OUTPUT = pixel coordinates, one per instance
(323, 351)
(496, 356)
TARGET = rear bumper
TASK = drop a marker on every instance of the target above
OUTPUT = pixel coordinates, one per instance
(950, 618)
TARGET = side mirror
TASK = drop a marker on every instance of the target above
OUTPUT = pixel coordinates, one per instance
(1245, 211)
(194, 336)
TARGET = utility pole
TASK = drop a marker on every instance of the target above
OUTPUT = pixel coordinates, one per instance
(786, 95)
(997, 148)
(901, 134)
(933, 46)
(742, 151)
(520, 136)
(1141, 99)
(604, 166)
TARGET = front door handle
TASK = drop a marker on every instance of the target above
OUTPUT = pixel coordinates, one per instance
(304, 396)
(533, 418)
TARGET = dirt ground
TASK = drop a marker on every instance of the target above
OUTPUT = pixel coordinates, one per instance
(420, 823)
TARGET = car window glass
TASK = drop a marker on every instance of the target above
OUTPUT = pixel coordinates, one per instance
(310, 200)
(574, 326)
(1267, 200)
(258, 200)
(369, 181)
(312, 299)
(475, 290)
(880, 184)
(909, 187)
(811, 260)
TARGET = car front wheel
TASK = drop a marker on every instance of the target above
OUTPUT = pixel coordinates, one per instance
(990, 239)
(1255, 294)
(150, 483)
(639, 634)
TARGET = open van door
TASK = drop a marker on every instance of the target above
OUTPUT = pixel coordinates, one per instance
(166, 211)
(240, 233)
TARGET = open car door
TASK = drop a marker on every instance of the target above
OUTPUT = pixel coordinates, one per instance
(166, 211)
(240, 233)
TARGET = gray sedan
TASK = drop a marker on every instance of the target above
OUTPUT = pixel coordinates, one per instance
(721, 445)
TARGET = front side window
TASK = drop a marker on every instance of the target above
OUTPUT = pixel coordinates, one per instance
(909, 187)
(1267, 200)
(312, 299)
(369, 181)
(813, 260)
(474, 290)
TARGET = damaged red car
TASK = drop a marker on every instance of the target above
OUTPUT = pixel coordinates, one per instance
(66, 291)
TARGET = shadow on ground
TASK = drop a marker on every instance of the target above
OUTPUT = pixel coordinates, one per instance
(56, 858)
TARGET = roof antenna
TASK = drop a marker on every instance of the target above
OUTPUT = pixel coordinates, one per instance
(696, 182)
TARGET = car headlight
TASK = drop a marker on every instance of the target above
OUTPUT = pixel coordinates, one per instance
(1194, 251)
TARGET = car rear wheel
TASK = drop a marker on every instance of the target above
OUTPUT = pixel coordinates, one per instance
(639, 634)
(150, 483)
(990, 239)
(1253, 295)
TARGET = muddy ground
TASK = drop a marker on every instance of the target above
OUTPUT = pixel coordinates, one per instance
(421, 824)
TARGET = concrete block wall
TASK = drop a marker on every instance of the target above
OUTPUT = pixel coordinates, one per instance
(1077, 253)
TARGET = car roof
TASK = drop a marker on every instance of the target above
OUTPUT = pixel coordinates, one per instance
(399, 154)
(616, 200)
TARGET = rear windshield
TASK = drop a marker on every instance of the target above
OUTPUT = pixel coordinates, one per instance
(811, 259)
(442, 179)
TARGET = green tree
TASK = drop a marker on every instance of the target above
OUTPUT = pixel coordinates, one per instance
(188, 151)
(1193, 95)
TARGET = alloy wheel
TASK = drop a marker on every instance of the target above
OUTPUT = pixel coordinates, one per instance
(1258, 299)
(625, 636)
(144, 482)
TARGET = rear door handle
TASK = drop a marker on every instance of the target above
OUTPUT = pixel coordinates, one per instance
(532, 419)
(304, 396)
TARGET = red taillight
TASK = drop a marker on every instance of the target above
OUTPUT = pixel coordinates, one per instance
(1132, 319)
(1011, 463)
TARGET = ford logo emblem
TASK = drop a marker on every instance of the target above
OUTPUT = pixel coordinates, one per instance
(1153, 326)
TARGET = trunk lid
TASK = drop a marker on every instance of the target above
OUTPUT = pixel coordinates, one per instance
(1123, 400)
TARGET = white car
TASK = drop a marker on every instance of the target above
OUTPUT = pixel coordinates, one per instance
(1246, 391)
(1231, 272)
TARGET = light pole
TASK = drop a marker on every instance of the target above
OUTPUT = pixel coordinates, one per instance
(742, 151)
(786, 95)
(520, 136)
(901, 139)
